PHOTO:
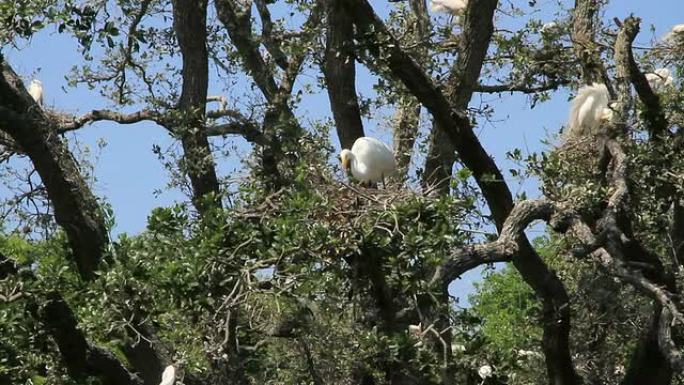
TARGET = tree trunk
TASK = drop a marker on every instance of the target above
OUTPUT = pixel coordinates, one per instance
(76, 208)
(340, 74)
(189, 24)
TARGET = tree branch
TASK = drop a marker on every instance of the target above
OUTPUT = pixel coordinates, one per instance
(524, 88)
(340, 73)
(190, 27)
(627, 66)
(76, 209)
(74, 123)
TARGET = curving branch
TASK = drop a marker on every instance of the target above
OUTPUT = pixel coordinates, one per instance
(76, 208)
(503, 248)
(74, 123)
(628, 67)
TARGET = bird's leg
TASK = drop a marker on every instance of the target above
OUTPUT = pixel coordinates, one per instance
(382, 177)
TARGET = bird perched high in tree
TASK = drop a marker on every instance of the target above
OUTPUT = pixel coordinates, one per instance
(677, 32)
(454, 7)
(588, 110)
(659, 79)
(35, 89)
(369, 160)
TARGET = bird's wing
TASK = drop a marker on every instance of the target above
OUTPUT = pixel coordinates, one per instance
(587, 107)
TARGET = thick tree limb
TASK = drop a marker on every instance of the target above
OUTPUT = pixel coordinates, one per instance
(583, 40)
(501, 250)
(340, 73)
(190, 26)
(247, 130)
(269, 38)
(75, 123)
(474, 41)
(76, 209)
(624, 57)
(239, 26)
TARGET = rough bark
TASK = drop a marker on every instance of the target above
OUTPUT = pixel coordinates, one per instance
(76, 208)
(476, 35)
(583, 40)
(340, 74)
(190, 26)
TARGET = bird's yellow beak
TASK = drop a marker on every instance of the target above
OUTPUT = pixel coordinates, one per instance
(345, 163)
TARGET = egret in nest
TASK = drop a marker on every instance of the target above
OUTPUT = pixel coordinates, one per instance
(369, 160)
(659, 79)
(589, 110)
(454, 7)
(35, 89)
(168, 376)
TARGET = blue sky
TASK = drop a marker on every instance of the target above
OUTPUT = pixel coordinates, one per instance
(128, 172)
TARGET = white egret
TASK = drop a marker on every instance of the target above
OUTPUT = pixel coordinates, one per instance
(485, 371)
(168, 376)
(36, 91)
(676, 31)
(548, 27)
(659, 79)
(454, 7)
(589, 109)
(415, 330)
(370, 160)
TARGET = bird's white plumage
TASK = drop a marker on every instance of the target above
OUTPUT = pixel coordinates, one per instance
(415, 330)
(485, 371)
(454, 7)
(36, 91)
(659, 79)
(168, 376)
(675, 32)
(369, 159)
(548, 27)
(587, 111)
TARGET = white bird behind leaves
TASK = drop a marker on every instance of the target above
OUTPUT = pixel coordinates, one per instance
(588, 110)
(369, 159)
(168, 376)
(676, 32)
(659, 79)
(35, 89)
(454, 7)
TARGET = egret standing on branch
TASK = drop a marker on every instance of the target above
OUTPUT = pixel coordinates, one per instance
(36, 91)
(369, 160)
(454, 7)
(168, 376)
(659, 79)
(589, 109)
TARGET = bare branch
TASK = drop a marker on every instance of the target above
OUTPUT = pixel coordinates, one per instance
(524, 88)
(72, 123)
